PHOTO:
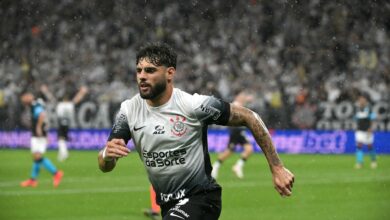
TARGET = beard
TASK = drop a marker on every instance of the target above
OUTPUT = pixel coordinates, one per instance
(154, 91)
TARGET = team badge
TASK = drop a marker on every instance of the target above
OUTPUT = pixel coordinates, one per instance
(178, 128)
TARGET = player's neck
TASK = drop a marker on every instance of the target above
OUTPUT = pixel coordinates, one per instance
(162, 98)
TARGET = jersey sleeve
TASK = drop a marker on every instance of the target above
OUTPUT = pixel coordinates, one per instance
(120, 129)
(37, 110)
(211, 110)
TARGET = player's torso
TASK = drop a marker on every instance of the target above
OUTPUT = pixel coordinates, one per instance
(363, 116)
(36, 109)
(170, 143)
(65, 113)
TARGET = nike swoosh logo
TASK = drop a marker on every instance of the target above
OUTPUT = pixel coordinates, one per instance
(136, 129)
(174, 215)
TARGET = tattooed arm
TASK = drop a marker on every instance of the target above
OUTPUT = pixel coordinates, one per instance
(240, 116)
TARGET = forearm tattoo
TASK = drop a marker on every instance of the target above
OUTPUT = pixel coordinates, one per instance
(263, 139)
(244, 117)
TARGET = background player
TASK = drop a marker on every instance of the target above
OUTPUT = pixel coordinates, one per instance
(39, 142)
(65, 111)
(154, 211)
(237, 136)
(169, 130)
(364, 133)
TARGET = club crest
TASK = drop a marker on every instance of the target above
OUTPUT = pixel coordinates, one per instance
(178, 127)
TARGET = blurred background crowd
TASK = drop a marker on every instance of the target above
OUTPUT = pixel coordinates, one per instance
(293, 55)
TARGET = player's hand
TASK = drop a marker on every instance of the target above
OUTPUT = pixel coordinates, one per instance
(83, 89)
(116, 148)
(283, 180)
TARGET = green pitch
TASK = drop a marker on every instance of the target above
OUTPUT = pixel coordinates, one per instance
(327, 187)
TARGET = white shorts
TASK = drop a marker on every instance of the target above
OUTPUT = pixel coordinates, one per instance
(38, 145)
(364, 137)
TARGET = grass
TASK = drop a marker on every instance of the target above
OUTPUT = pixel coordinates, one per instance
(327, 187)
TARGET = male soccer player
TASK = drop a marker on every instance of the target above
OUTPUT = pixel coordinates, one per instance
(237, 136)
(65, 111)
(364, 134)
(39, 142)
(169, 129)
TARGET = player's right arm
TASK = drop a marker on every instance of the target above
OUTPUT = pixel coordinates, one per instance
(114, 149)
(116, 145)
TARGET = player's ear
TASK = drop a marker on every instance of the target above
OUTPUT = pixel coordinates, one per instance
(170, 73)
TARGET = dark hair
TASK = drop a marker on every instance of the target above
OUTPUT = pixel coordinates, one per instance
(158, 54)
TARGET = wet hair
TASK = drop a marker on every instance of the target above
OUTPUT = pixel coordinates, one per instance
(159, 54)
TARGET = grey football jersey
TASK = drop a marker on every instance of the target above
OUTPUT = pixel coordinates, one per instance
(171, 140)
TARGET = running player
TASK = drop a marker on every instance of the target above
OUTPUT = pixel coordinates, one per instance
(39, 142)
(364, 134)
(169, 129)
(237, 136)
(65, 111)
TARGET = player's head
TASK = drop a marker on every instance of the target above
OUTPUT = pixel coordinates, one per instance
(244, 96)
(156, 66)
(27, 98)
(362, 100)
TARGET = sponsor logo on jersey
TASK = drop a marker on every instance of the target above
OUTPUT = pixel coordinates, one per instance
(173, 196)
(159, 129)
(177, 216)
(183, 201)
(164, 158)
(176, 210)
(138, 128)
(120, 120)
(210, 110)
(178, 126)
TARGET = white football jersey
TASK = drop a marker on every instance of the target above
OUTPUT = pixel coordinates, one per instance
(171, 140)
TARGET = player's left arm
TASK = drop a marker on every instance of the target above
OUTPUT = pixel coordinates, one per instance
(80, 95)
(372, 117)
(240, 116)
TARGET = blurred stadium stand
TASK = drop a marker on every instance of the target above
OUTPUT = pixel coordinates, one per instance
(305, 60)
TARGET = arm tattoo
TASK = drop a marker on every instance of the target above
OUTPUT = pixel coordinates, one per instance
(241, 116)
(263, 139)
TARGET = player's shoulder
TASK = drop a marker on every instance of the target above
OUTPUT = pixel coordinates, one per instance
(187, 97)
(132, 103)
(180, 93)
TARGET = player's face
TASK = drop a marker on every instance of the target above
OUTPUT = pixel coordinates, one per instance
(27, 98)
(151, 79)
(362, 101)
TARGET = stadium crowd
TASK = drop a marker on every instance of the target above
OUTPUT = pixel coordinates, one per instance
(292, 54)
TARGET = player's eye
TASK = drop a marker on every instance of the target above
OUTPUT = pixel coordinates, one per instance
(150, 69)
(147, 70)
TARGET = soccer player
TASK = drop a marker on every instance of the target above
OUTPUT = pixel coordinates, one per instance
(237, 136)
(39, 142)
(364, 133)
(169, 129)
(65, 111)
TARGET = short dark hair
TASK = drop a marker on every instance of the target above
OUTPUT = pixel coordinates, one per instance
(160, 54)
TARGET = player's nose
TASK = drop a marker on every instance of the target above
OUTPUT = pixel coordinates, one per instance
(142, 75)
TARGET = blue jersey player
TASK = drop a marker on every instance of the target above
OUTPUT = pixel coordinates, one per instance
(364, 133)
(38, 142)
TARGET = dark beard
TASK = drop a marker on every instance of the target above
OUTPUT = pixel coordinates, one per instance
(155, 91)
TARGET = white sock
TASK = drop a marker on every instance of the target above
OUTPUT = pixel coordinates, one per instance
(216, 164)
(240, 162)
(62, 150)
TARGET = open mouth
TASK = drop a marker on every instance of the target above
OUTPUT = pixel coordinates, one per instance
(144, 86)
